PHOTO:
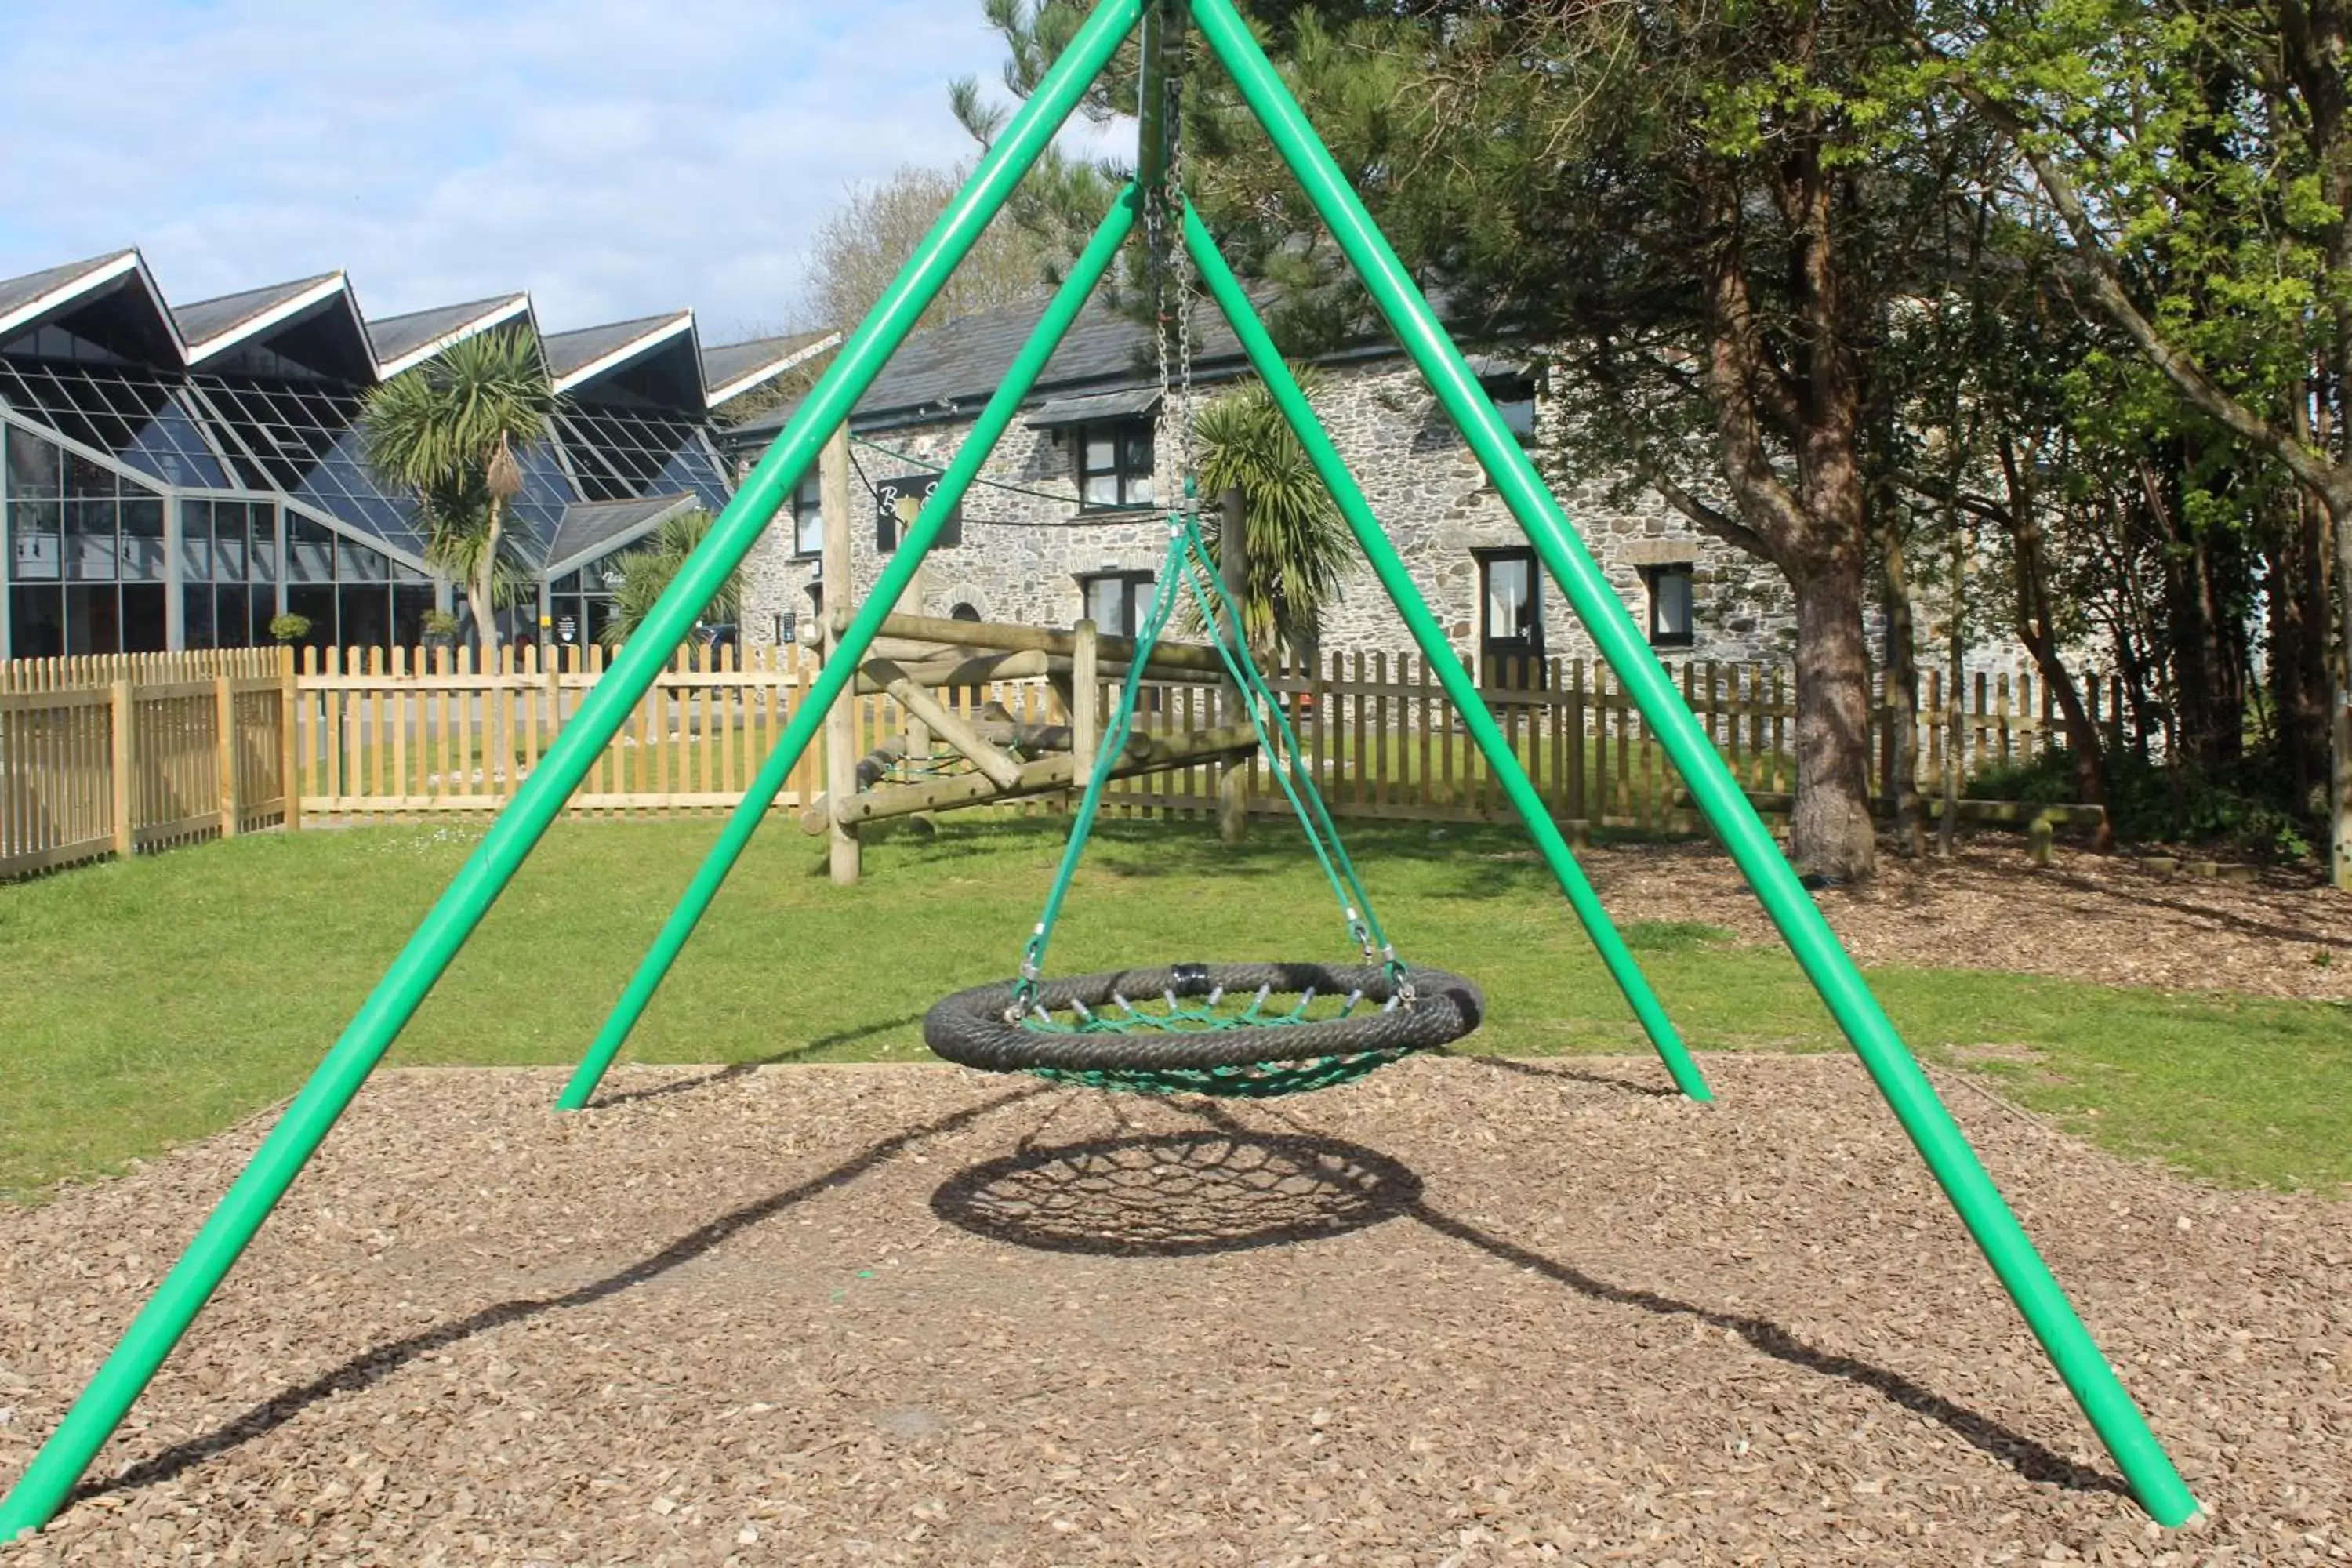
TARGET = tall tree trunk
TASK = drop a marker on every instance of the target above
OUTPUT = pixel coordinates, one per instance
(2300, 631)
(2037, 629)
(481, 595)
(1902, 716)
(1830, 830)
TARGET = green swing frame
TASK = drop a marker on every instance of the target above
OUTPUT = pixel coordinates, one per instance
(66, 1456)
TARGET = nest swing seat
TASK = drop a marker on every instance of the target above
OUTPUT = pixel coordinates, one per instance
(1241, 1029)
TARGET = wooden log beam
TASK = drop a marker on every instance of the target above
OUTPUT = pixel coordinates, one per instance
(936, 672)
(993, 634)
(1001, 769)
(1144, 755)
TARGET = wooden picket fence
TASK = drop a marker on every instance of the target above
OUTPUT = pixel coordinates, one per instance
(1385, 741)
(113, 755)
(104, 756)
(403, 733)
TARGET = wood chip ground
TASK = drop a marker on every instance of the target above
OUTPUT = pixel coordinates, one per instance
(2099, 918)
(1465, 1313)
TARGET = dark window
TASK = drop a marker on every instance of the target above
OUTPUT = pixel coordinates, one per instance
(1114, 463)
(808, 518)
(1510, 596)
(963, 613)
(1671, 624)
(898, 502)
(1117, 601)
(1513, 397)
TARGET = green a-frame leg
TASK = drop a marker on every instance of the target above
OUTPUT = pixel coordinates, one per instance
(48, 1480)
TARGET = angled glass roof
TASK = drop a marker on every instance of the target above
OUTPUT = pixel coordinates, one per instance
(138, 416)
(620, 453)
(261, 390)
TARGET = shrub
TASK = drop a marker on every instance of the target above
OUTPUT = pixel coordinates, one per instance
(2248, 806)
(289, 628)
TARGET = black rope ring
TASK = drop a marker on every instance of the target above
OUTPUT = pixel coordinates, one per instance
(969, 1026)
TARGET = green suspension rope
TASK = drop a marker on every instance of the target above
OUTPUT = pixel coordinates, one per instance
(1185, 572)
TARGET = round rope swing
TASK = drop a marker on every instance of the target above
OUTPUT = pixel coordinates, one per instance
(1251, 1030)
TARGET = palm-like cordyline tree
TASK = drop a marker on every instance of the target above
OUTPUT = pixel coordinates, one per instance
(452, 432)
(1296, 546)
(647, 571)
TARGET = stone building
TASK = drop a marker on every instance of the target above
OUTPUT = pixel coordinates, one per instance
(1064, 521)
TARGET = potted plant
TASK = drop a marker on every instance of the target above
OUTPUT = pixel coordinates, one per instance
(440, 629)
(290, 629)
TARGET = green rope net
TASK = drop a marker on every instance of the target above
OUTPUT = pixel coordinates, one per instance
(1186, 573)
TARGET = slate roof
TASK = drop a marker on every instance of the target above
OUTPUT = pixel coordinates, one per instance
(730, 370)
(589, 528)
(206, 320)
(568, 354)
(954, 368)
(15, 293)
(400, 338)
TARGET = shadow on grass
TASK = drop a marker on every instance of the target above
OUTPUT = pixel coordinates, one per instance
(734, 1070)
(371, 1366)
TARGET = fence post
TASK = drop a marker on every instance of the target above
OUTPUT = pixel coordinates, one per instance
(288, 743)
(224, 750)
(125, 829)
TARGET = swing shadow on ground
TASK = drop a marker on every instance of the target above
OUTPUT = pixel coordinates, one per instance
(734, 1070)
(1114, 1197)
(1556, 1068)
(371, 1366)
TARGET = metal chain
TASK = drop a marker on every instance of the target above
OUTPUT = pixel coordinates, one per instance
(1171, 266)
(1185, 471)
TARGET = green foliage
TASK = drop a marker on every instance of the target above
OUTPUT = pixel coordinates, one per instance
(647, 571)
(450, 430)
(2250, 807)
(1299, 549)
(288, 627)
(452, 433)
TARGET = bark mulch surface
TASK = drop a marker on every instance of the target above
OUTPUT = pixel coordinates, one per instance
(2098, 918)
(1462, 1312)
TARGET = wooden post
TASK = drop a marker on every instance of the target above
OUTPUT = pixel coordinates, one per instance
(1085, 702)
(125, 829)
(290, 761)
(1233, 572)
(839, 588)
(224, 750)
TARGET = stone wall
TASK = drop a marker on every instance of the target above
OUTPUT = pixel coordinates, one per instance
(1024, 549)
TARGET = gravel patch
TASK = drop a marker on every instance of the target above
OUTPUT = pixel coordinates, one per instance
(1463, 1312)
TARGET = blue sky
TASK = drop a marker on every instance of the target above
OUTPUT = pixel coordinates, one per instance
(614, 157)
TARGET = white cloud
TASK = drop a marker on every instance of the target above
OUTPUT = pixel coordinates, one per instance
(614, 157)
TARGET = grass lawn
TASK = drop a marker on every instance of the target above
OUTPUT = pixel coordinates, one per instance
(160, 1000)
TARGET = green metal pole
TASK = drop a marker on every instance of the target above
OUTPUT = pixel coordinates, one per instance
(1907, 1091)
(46, 1482)
(954, 481)
(1258, 343)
